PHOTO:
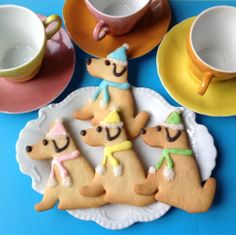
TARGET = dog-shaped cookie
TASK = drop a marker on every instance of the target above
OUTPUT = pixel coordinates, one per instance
(120, 169)
(69, 171)
(114, 92)
(175, 179)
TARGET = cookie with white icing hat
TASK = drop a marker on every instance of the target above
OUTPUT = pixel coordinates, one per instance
(113, 92)
(69, 171)
(175, 177)
(120, 169)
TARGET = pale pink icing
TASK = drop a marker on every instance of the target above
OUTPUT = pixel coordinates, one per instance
(57, 130)
(58, 161)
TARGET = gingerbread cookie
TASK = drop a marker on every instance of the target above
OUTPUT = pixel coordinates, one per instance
(175, 179)
(114, 92)
(120, 169)
(69, 171)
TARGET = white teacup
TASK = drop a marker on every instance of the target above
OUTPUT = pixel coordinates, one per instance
(23, 38)
(117, 17)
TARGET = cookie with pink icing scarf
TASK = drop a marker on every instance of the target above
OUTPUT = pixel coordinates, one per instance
(69, 170)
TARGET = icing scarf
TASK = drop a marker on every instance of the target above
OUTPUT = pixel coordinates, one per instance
(103, 87)
(169, 171)
(109, 150)
(166, 156)
(58, 161)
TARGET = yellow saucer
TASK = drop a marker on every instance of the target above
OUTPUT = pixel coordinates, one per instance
(172, 63)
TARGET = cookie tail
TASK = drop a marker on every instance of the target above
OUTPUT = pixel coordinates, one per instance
(134, 125)
(92, 190)
(204, 198)
(84, 114)
(142, 189)
(47, 203)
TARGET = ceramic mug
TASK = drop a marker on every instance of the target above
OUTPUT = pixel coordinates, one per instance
(23, 41)
(211, 46)
(117, 17)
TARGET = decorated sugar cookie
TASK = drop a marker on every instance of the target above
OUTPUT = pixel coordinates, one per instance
(175, 178)
(69, 171)
(114, 92)
(120, 168)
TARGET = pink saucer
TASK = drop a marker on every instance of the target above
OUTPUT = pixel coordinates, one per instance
(53, 78)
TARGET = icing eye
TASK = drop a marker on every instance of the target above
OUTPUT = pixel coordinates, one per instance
(99, 129)
(45, 142)
(28, 149)
(107, 62)
(143, 131)
(83, 132)
(158, 128)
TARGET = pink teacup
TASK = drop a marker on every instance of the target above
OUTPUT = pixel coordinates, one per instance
(117, 17)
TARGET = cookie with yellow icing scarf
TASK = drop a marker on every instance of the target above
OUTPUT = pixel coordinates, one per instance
(120, 168)
(69, 171)
(114, 92)
(175, 178)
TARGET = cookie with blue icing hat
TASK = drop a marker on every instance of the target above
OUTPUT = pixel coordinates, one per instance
(114, 92)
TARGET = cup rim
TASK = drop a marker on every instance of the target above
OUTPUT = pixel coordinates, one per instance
(43, 42)
(191, 41)
(116, 17)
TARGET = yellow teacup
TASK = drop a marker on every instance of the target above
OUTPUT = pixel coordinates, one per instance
(211, 46)
(23, 42)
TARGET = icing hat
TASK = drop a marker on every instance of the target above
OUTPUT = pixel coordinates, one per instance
(120, 55)
(112, 120)
(57, 130)
(174, 121)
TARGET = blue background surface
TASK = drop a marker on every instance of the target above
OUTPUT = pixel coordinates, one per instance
(17, 198)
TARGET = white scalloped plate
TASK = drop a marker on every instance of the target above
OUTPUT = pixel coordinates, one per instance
(112, 216)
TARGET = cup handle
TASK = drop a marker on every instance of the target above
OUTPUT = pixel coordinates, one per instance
(206, 80)
(48, 21)
(100, 30)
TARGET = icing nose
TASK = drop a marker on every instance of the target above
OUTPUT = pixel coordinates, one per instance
(83, 132)
(28, 149)
(89, 61)
(143, 131)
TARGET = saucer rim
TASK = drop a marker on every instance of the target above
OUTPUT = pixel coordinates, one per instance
(145, 52)
(188, 105)
(3, 111)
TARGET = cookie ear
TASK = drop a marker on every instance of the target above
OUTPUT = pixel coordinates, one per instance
(170, 138)
(122, 69)
(109, 137)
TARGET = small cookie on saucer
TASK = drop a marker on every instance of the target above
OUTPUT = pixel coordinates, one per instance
(114, 92)
(175, 178)
(120, 169)
(69, 171)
